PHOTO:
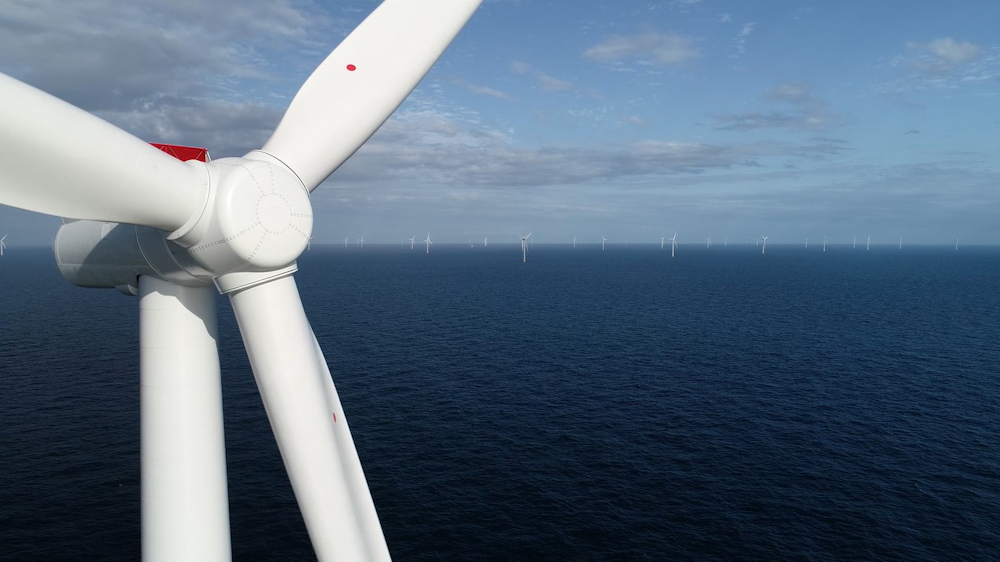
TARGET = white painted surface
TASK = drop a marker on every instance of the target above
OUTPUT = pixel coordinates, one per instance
(185, 502)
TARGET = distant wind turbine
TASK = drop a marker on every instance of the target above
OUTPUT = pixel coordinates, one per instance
(574, 241)
(868, 245)
(309, 244)
(824, 242)
(855, 241)
(708, 242)
(428, 243)
(1, 242)
(486, 241)
(412, 238)
(900, 242)
(807, 242)
(361, 241)
(345, 240)
(764, 247)
(673, 244)
(3, 245)
(524, 247)
(604, 241)
(662, 240)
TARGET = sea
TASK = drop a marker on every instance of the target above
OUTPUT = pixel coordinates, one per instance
(586, 405)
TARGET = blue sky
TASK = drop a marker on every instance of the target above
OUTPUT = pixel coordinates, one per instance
(623, 118)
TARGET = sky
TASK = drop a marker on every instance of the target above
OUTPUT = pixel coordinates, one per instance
(627, 119)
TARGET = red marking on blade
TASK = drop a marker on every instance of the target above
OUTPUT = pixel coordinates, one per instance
(335, 417)
(351, 67)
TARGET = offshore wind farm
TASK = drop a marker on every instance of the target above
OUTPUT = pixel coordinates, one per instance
(604, 400)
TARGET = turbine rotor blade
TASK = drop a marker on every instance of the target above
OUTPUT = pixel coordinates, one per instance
(58, 159)
(357, 87)
(308, 423)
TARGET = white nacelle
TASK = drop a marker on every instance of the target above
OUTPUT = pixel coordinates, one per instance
(255, 223)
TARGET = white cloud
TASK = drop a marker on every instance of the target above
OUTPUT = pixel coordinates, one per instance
(546, 82)
(652, 48)
(950, 51)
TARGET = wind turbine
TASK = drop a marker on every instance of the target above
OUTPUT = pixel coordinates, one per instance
(807, 242)
(524, 247)
(412, 238)
(574, 241)
(708, 242)
(824, 242)
(428, 243)
(3, 245)
(763, 248)
(900, 242)
(309, 243)
(673, 244)
(868, 245)
(855, 242)
(361, 241)
(173, 232)
(663, 239)
(603, 241)
(346, 238)
(486, 242)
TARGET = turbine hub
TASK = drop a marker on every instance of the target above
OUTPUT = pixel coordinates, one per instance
(257, 219)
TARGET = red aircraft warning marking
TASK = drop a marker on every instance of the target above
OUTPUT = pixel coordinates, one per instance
(351, 67)
(335, 417)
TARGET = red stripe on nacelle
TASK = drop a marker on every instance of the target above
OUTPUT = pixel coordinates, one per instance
(184, 153)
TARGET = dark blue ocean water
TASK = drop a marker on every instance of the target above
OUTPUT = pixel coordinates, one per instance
(587, 405)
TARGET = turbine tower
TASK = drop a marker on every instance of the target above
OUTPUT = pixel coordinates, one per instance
(824, 242)
(3, 245)
(663, 239)
(524, 247)
(412, 238)
(855, 242)
(807, 242)
(763, 248)
(486, 242)
(673, 244)
(1, 242)
(428, 243)
(174, 232)
(603, 241)
(900, 242)
(868, 244)
(574, 241)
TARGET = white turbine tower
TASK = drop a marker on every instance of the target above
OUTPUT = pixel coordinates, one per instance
(428, 243)
(868, 245)
(824, 242)
(663, 240)
(574, 241)
(412, 238)
(673, 244)
(174, 232)
(3, 245)
(486, 242)
(524, 247)
(763, 248)
(604, 241)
